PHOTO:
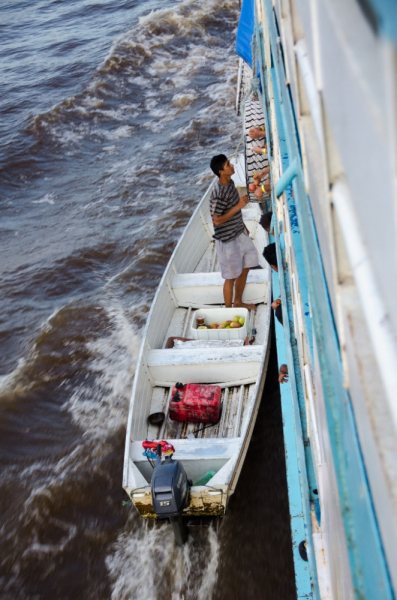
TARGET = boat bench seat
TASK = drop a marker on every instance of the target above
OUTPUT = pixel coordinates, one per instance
(202, 449)
(204, 365)
(198, 456)
(197, 289)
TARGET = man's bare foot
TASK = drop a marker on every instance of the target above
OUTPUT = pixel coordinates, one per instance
(243, 305)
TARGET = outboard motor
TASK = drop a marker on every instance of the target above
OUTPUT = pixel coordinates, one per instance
(170, 493)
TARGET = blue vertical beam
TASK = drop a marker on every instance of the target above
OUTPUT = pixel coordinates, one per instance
(287, 306)
(294, 458)
(367, 562)
(306, 471)
(298, 490)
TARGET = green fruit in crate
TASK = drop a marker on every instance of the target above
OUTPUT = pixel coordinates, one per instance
(202, 327)
(228, 327)
(241, 320)
(236, 319)
(235, 325)
(224, 324)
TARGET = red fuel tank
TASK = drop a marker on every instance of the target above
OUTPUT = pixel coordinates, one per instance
(195, 403)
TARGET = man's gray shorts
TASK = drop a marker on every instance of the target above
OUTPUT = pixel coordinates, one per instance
(236, 255)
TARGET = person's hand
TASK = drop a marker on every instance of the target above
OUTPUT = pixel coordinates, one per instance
(258, 150)
(283, 374)
(244, 200)
(275, 303)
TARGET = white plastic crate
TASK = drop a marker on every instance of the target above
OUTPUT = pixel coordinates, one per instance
(220, 315)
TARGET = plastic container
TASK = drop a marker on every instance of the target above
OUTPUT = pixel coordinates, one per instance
(200, 319)
(219, 315)
(205, 479)
(195, 403)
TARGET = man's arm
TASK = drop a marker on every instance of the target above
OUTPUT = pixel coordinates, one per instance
(220, 219)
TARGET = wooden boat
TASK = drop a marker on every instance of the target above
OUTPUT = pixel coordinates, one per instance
(192, 281)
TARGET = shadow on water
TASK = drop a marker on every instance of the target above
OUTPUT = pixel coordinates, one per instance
(255, 555)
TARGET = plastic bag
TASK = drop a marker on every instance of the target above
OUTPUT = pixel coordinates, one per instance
(193, 344)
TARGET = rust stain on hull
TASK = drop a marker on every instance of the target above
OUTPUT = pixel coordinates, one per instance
(200, 505)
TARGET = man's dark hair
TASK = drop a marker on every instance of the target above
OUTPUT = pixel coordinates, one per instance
(217, 163)
(270, 255)
(279, 313)
(266, 221)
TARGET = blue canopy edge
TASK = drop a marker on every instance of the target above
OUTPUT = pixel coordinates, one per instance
(245, 31)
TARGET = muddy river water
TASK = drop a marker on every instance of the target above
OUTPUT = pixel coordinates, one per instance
(109, 113)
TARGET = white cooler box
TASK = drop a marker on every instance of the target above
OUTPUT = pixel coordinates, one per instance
(219, 315)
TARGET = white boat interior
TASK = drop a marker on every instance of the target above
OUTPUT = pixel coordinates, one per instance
(192, 281)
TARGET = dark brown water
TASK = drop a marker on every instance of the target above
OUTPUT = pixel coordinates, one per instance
(108, 118)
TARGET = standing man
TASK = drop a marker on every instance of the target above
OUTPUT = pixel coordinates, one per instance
(236, 251)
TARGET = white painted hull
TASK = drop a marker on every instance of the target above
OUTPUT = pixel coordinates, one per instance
(191, 281)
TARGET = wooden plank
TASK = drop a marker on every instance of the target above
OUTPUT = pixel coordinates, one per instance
(224, 410)
(239, 411)
(247, 400)
(166, 411)
(233, 401)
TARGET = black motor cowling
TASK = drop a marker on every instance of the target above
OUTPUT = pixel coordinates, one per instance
(170, 493)
(170, 488)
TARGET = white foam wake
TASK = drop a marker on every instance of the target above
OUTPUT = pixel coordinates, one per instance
(148, 564)
(101, 407)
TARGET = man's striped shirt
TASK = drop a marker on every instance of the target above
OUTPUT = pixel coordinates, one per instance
(222, 199)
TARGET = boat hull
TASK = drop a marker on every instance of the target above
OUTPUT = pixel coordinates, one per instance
(216, 454)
